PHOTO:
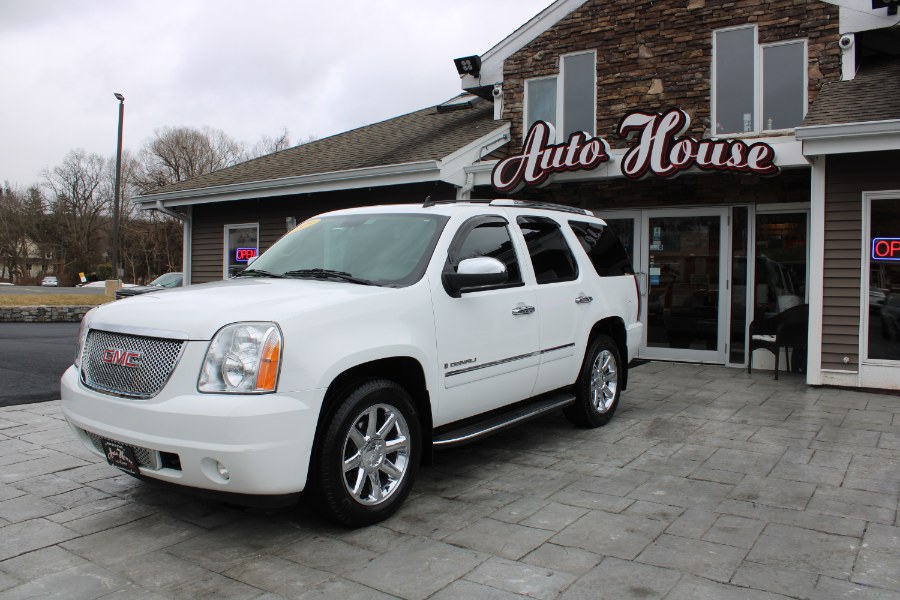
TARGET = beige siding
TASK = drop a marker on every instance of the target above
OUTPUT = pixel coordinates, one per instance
(848, 176)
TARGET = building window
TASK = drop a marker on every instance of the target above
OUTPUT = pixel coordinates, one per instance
(567, 101)
(748, 98)
(781, 262)
(540, 101)
(883, 254)
(241, 245)
(734, 53)
(784, 89)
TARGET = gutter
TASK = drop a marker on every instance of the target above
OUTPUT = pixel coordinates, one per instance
(415, 172)
(186, 244)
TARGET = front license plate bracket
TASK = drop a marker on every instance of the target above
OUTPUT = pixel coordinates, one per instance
(121, 456)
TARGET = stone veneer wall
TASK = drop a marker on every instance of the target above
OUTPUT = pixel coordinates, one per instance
(43, 314)
(654, 55)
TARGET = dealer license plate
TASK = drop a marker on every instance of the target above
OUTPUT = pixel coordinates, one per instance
(121, 456)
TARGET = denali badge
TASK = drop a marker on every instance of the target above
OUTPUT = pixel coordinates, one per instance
(123, 358)
(459, 363)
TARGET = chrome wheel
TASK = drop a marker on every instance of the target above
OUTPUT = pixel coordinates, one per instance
(376, 454)
(604, 381)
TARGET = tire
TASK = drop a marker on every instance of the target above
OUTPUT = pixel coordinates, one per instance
(368, 453)
(598, 387)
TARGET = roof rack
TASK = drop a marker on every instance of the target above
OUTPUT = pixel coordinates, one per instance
(513, 204)
(542, 206)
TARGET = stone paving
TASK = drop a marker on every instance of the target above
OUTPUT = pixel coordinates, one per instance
(708, 484)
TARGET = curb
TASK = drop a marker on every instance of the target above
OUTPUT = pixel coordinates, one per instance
(43, 314)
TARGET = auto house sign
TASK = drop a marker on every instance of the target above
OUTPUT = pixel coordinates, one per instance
(659, 147)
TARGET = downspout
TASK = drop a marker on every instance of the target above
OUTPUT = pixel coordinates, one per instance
(186, 244)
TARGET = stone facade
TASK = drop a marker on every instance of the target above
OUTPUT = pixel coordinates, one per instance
(654, 55)
(43, 314)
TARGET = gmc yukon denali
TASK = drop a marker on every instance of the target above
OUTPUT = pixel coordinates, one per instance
(356, 345)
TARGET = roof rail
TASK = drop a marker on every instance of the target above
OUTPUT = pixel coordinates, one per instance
(514, 204)
(429, 202)
(542, 206)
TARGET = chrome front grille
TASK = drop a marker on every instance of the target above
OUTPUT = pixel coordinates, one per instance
(146, 458)
(128, 365)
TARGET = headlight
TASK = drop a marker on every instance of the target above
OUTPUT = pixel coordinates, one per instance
(242, 358)
(82, 336)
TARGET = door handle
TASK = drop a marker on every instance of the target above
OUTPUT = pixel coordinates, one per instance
(582, 299)
(522, 310)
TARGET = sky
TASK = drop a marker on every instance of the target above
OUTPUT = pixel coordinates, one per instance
(249, 68)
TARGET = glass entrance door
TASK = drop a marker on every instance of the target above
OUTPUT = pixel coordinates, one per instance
(686, 303)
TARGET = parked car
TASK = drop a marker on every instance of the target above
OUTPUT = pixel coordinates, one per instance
(50, 281)
(163, 282)
(354, 346)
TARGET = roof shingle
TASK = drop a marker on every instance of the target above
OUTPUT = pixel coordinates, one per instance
(874, 95)
(426, 134)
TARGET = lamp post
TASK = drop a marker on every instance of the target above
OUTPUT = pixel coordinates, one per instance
(115, 235)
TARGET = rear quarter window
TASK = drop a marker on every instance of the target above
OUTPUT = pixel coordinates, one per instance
(603, 247)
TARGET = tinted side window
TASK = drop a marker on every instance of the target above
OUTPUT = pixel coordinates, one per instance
(604, 249)
(490, 238)
(550, 254)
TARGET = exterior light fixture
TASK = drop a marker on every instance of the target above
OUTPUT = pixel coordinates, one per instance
(468, 65)
(891, 5)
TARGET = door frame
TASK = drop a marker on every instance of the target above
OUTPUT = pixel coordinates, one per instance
(720, 355)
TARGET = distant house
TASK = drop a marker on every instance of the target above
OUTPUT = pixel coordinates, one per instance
(37, 263)
(745, 153)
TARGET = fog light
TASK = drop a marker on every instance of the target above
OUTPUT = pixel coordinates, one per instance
(223, 471)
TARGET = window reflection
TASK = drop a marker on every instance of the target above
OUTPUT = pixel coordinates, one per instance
(884, 282)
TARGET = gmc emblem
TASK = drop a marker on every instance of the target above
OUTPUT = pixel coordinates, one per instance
(122, 358)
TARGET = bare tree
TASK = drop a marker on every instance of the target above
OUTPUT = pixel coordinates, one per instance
(178, 153)
(79, 200)
(271, 144)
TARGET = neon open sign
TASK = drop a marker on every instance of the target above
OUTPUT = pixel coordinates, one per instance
(886, 249)
(244, 254)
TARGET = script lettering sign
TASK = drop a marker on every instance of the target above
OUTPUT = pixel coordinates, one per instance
(659, 148)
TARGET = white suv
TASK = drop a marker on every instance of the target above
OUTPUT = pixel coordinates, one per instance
(355, 345)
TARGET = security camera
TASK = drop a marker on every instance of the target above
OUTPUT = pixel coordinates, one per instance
(846, 41)
(497, 91)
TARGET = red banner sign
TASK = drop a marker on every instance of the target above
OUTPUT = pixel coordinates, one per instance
(659, 149)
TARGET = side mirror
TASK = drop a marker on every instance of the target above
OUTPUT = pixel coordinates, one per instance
(475, 273)
(251, 260)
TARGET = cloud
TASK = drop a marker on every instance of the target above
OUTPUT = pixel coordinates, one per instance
(246, 68)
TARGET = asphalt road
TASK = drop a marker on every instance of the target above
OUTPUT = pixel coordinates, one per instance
(19, 290)
(33, 357)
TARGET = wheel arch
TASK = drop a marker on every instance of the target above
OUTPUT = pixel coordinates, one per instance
(404, 370)
(613, 327)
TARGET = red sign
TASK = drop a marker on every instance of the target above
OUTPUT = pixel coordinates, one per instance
(541, 159)
(659, 149)
(244, 254)
(662, 151)
(122, 358)
(886, 249)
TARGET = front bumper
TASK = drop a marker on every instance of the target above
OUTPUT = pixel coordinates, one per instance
(264, 441)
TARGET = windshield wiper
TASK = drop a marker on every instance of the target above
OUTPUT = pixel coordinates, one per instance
(328, 274)
(258, 273)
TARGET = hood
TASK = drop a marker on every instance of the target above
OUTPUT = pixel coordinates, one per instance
(201, 310)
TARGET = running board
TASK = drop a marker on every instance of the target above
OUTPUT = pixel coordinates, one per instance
(473, 431)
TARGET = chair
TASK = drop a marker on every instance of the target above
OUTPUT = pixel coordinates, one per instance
(787, 329)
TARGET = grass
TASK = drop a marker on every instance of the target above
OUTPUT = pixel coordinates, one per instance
(54, 299)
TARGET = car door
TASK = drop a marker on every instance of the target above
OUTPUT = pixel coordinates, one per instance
(562, 301)
(487, 339)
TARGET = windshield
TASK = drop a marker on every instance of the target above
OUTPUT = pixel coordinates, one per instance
(382, 249)
(168, 280)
